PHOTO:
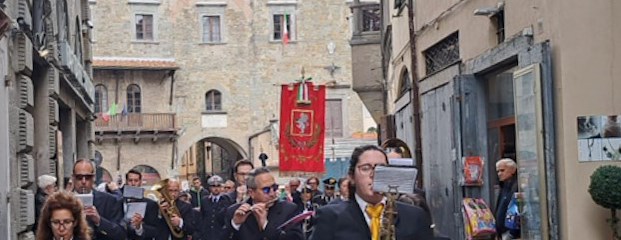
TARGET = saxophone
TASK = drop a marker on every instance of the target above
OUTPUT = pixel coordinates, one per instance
(164, 196)
(388, 231)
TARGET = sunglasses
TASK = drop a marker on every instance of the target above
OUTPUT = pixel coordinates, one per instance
(329, 188)
(269, 189)
(83, 176)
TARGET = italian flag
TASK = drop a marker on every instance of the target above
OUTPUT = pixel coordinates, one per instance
(111, 112)
(285, 36)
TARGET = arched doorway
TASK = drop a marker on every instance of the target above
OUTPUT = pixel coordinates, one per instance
(150, 176)
(209, 156)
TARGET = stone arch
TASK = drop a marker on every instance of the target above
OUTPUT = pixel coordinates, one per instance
(232, 150)
(405, 82)
(150, 175)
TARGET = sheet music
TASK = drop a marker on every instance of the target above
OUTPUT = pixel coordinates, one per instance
(135, 207)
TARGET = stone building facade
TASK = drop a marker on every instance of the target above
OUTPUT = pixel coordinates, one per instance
(230, 61)
(508, 79)
(47, 101)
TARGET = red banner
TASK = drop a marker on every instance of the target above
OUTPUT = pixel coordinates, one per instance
(302, 127)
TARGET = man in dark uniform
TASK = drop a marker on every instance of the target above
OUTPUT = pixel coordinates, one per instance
(185, 222)
(328, 195)
(240, 172)
(106, 214)
(360, 218)
(307, 206)
(261, 215)
(197, 192)
(140, 227)
(212, 211)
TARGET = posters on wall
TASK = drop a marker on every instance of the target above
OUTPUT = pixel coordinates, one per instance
(599, 138)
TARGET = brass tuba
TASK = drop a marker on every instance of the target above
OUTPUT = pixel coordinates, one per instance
(160, 190)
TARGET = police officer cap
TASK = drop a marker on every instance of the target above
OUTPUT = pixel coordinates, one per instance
(329, 181)
(307, 189)
(215, 181)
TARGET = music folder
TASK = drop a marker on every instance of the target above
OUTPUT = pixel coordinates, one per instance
(135, 207)
(401, 179)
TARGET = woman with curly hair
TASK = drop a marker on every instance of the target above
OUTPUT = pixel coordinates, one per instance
(62, 218)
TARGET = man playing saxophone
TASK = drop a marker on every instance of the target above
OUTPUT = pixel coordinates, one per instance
(360, 218)
(260, 216)
(182, 224)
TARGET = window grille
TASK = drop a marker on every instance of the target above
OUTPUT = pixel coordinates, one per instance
(211, 29)
(371, 18)
(442, 54)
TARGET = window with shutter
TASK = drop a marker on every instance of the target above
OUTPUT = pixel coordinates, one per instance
(334, 118)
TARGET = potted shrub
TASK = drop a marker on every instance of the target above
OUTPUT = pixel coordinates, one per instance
(605, 189)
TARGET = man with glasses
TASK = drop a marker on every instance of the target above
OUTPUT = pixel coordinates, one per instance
(360, 218)
(140, 227)
(240, 172)
(106, 214)
(212, 210)
(328, 185)
(261, 215)
(229, 187)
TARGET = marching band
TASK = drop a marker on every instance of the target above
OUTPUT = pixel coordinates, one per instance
(254, 206)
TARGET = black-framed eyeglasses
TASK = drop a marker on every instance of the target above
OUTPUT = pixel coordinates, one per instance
(65, 223)
(269, 189)
(366, 169)
(83, 176)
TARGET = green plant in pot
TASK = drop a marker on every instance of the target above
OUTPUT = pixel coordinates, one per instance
(605, 189)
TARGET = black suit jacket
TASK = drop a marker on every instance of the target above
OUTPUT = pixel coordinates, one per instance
(189, 217)
(110, 210)
(212, 218)
(278, 214)
(150, 221)
(345, 221)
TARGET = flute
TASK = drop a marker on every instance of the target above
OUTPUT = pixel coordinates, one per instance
(268, 204)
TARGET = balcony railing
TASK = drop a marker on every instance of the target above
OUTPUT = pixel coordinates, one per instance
(137, 122)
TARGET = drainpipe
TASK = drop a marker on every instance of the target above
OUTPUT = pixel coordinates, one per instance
(418, 151)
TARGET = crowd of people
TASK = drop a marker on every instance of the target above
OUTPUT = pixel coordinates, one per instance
(249, 206)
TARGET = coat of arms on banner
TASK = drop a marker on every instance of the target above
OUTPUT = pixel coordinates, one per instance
(303, 120)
